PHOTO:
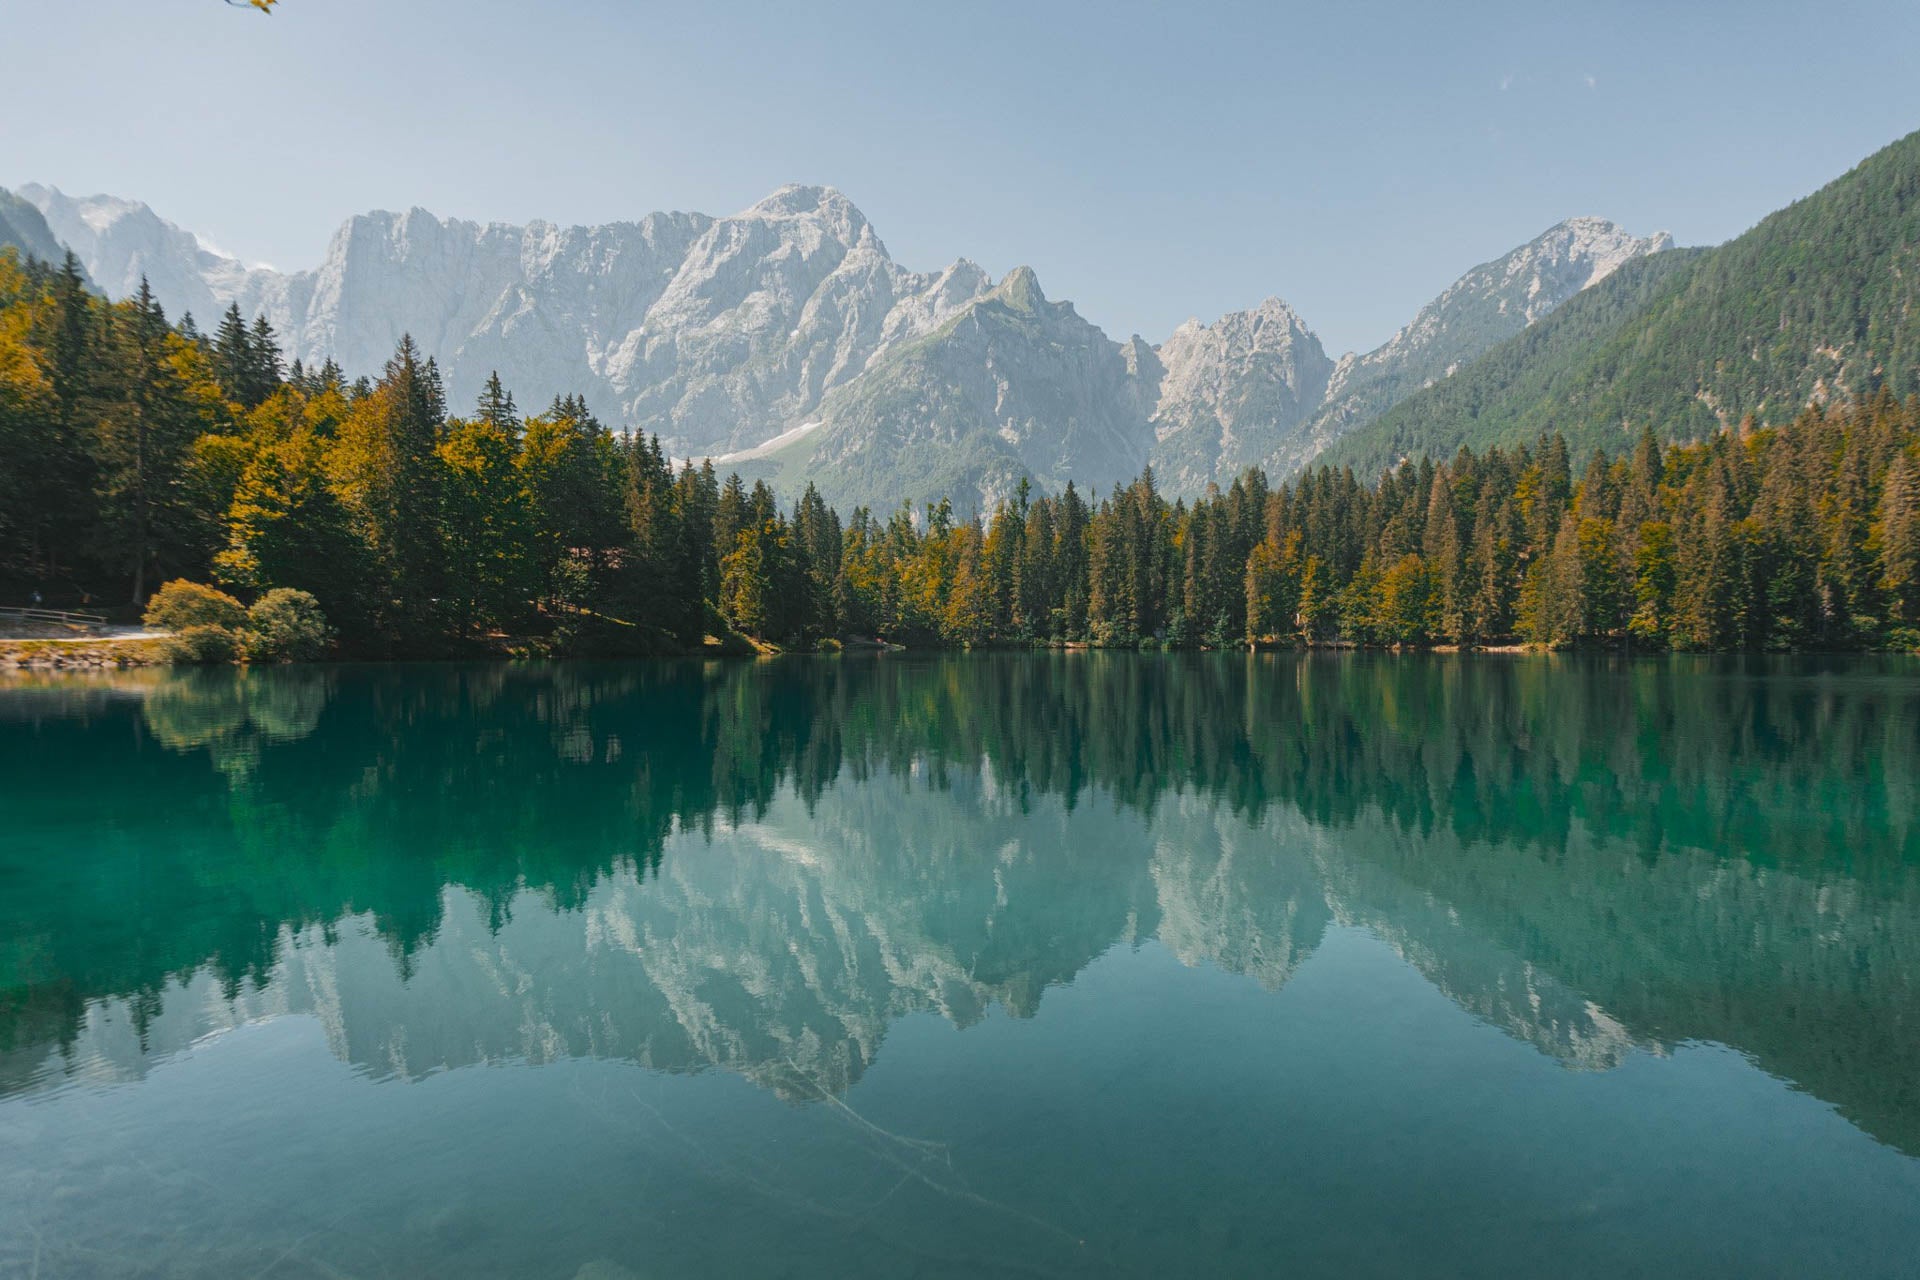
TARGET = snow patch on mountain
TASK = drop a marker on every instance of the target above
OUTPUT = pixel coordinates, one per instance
(790, 436)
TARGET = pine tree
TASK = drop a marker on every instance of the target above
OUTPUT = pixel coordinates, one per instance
(386, 470)
(1001, 550)
(1274, 589)
(47, 394)
(817, 535)
(730, 514)
(496, 407)
(569, 470)
(146, 439)
(263, 365)
(1491, 574)
(1445, 556)
(1038, 607)
(1070, 563)
(26, 403)
(69, 364)
(1655, 574)
(1896, 538)
(485, 525)
(285, 527)
(233, 362)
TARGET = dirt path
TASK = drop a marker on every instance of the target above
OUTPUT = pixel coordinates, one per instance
(110, 634)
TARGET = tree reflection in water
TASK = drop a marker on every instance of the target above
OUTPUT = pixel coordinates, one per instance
(763, 866)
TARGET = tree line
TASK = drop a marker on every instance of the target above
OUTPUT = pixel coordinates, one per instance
(134, 449)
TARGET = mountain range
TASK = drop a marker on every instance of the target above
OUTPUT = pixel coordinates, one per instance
(786, 342)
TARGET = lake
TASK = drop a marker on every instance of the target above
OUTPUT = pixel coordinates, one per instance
(1030, 965)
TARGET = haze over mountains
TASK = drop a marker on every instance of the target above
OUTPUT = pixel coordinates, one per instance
(785, 340)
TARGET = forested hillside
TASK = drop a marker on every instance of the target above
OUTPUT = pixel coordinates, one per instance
(1820, 301)
(133, 450)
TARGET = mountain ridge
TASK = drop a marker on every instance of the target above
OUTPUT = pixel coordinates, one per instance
(1818, 300)
(1210, 427)
(22, 227)
(785, 336)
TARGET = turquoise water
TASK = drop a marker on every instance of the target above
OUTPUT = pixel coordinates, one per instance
(1053, 965)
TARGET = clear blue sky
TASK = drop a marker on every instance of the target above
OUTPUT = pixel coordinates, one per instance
(1149, 162)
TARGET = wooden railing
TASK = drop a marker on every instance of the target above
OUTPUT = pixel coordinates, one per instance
(58, 617)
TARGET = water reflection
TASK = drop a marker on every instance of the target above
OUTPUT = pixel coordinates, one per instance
(763, 867)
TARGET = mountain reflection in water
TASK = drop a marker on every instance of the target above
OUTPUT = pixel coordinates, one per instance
(763, 867)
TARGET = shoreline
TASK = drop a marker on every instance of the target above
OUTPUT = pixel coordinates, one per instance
(127, 653)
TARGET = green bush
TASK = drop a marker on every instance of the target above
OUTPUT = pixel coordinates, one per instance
(181, 605)
(286, 625)
(203, 644)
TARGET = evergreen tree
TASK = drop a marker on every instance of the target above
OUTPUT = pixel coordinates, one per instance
(146, 435)
(817, 535)
(496, 407)
(568, 468)
(1445, 556)
(1897, 540)
(484, 527)
(263, 365)
(233, 362)
(389, 477)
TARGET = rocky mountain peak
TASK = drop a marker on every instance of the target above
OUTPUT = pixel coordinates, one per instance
(1538, 276)
(824, 207)
(1021, 288)
(1275, 308)
(1229, 388)
(1271, 326)
(795, 199)
(1566, 258)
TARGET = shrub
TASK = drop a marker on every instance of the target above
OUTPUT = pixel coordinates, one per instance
(285, 625)
(203, 644)
(181, 605)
